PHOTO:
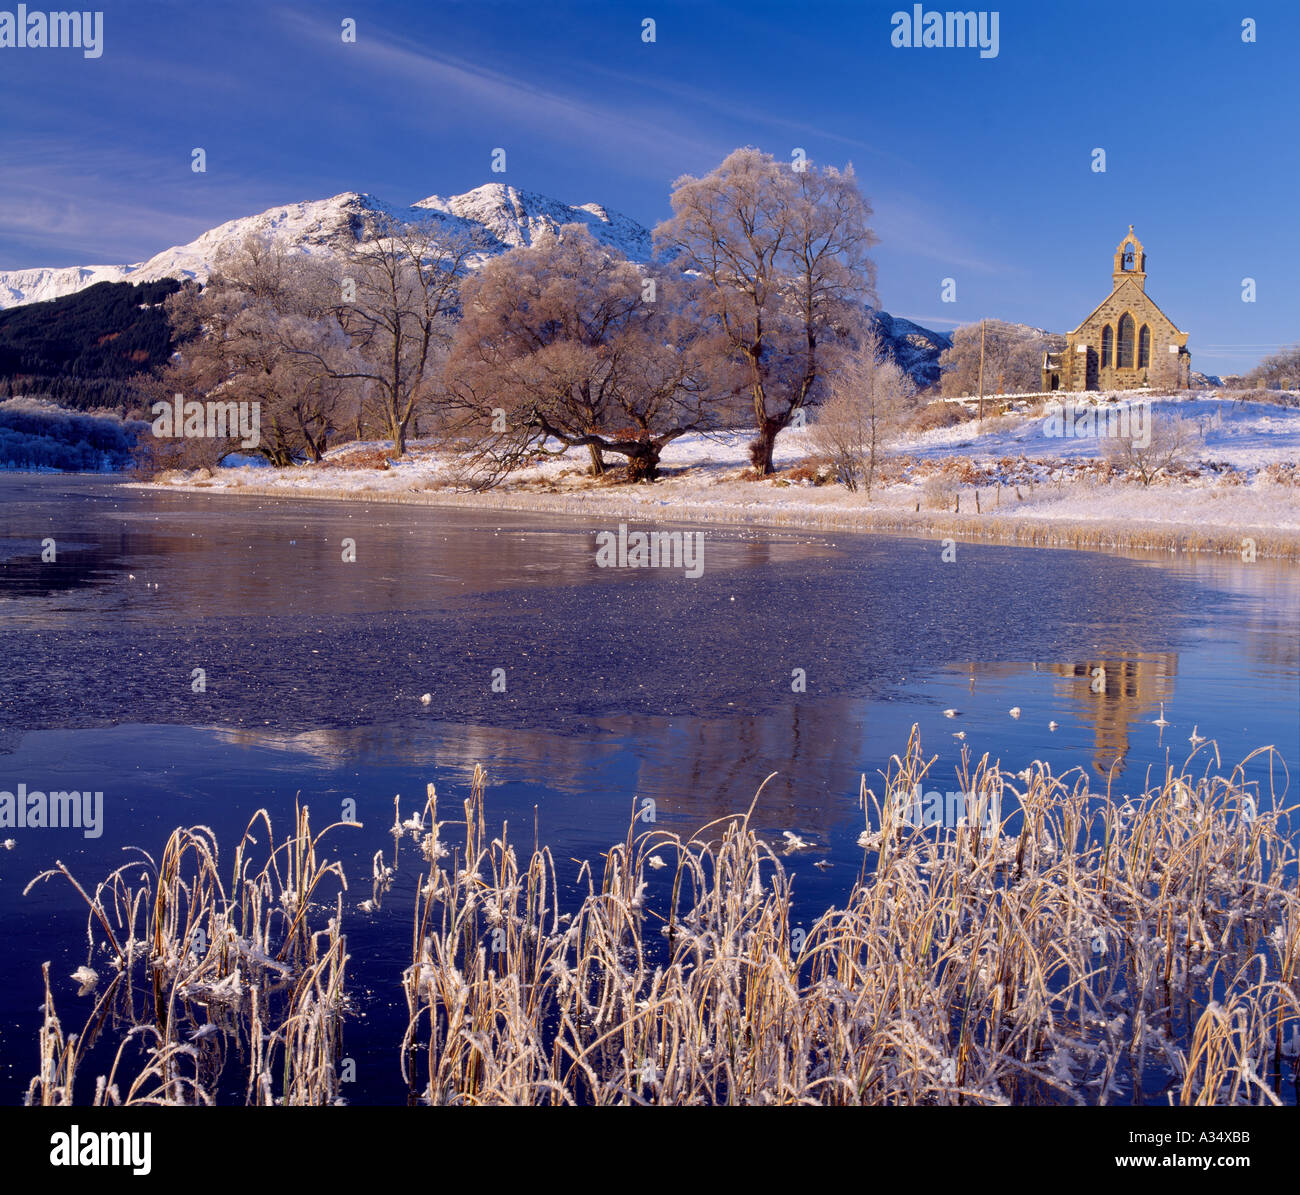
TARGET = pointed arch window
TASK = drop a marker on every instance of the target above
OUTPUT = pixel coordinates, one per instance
(1124, 353)
(1144, 347)
(1107, 346)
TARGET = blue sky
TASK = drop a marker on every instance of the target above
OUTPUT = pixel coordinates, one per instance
(979, 169)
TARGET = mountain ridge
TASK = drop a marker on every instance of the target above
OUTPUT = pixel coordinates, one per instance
(499, 216)
(502, 216)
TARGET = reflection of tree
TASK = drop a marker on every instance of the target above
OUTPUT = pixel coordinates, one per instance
(694, 769)
(287, 559)
(708, 768)
(81, 563)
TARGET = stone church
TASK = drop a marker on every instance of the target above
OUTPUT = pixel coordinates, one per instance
(1127, 342)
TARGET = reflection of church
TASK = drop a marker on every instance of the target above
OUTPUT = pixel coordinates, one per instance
(1126, 342)
(1113, 693)
(1109, 694)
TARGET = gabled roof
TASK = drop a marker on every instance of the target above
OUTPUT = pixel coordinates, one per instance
(1113, 293)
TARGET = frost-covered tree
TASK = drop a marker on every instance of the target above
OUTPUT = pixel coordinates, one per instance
(783, 255)
(563, 341)
(1280, 371)
(1013, 358)
(261, 330)
(399, 312)
(1166, 445)
(869, 398)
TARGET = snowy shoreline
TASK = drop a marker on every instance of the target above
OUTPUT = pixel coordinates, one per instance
(1010, 484)
(1024, 530)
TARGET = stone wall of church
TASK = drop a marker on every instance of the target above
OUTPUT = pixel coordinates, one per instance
(1164, 368)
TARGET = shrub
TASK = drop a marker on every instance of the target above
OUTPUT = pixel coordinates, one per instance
(1283, 473)
(815, 469)
(937, 415)
(940, 491)
(962, 469)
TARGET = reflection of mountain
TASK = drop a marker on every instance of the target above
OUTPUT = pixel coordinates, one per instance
(1113, 692)
(618, 680)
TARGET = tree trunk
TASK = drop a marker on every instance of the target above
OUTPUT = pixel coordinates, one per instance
(398, 428)
(597, 460)
(643, 466)
(761, 447)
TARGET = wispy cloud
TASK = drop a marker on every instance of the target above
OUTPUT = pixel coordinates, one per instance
(689, 98)
(623, 132)
(930, 321)
(916, 228)
(70, 206)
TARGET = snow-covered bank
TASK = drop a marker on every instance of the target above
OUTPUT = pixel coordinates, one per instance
(1012, 482)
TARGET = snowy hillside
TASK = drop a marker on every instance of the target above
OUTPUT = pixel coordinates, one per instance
(320, 225)
(501, 217)
(915, 349)
(1239, 435)
(507, 218)
(38, 285)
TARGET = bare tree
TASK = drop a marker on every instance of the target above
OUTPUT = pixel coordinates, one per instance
(1013, 358)
(1280, 371)
(783, 255)
(869, 397)
(561, 341)
(1164, 447)
(397, 304)
(250, 335)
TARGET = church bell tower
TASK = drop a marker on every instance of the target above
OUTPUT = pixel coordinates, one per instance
(1130, 261)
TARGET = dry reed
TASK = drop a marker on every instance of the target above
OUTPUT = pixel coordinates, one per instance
(1059, 945)
(200, 969)
(1103, 951)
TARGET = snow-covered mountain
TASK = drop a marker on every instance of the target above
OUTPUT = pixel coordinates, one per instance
(502, 217)
(325, 224)
(915, 349)
(498, 216)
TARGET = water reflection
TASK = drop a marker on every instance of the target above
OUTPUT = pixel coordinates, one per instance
(1111, 694)
(621, 686)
